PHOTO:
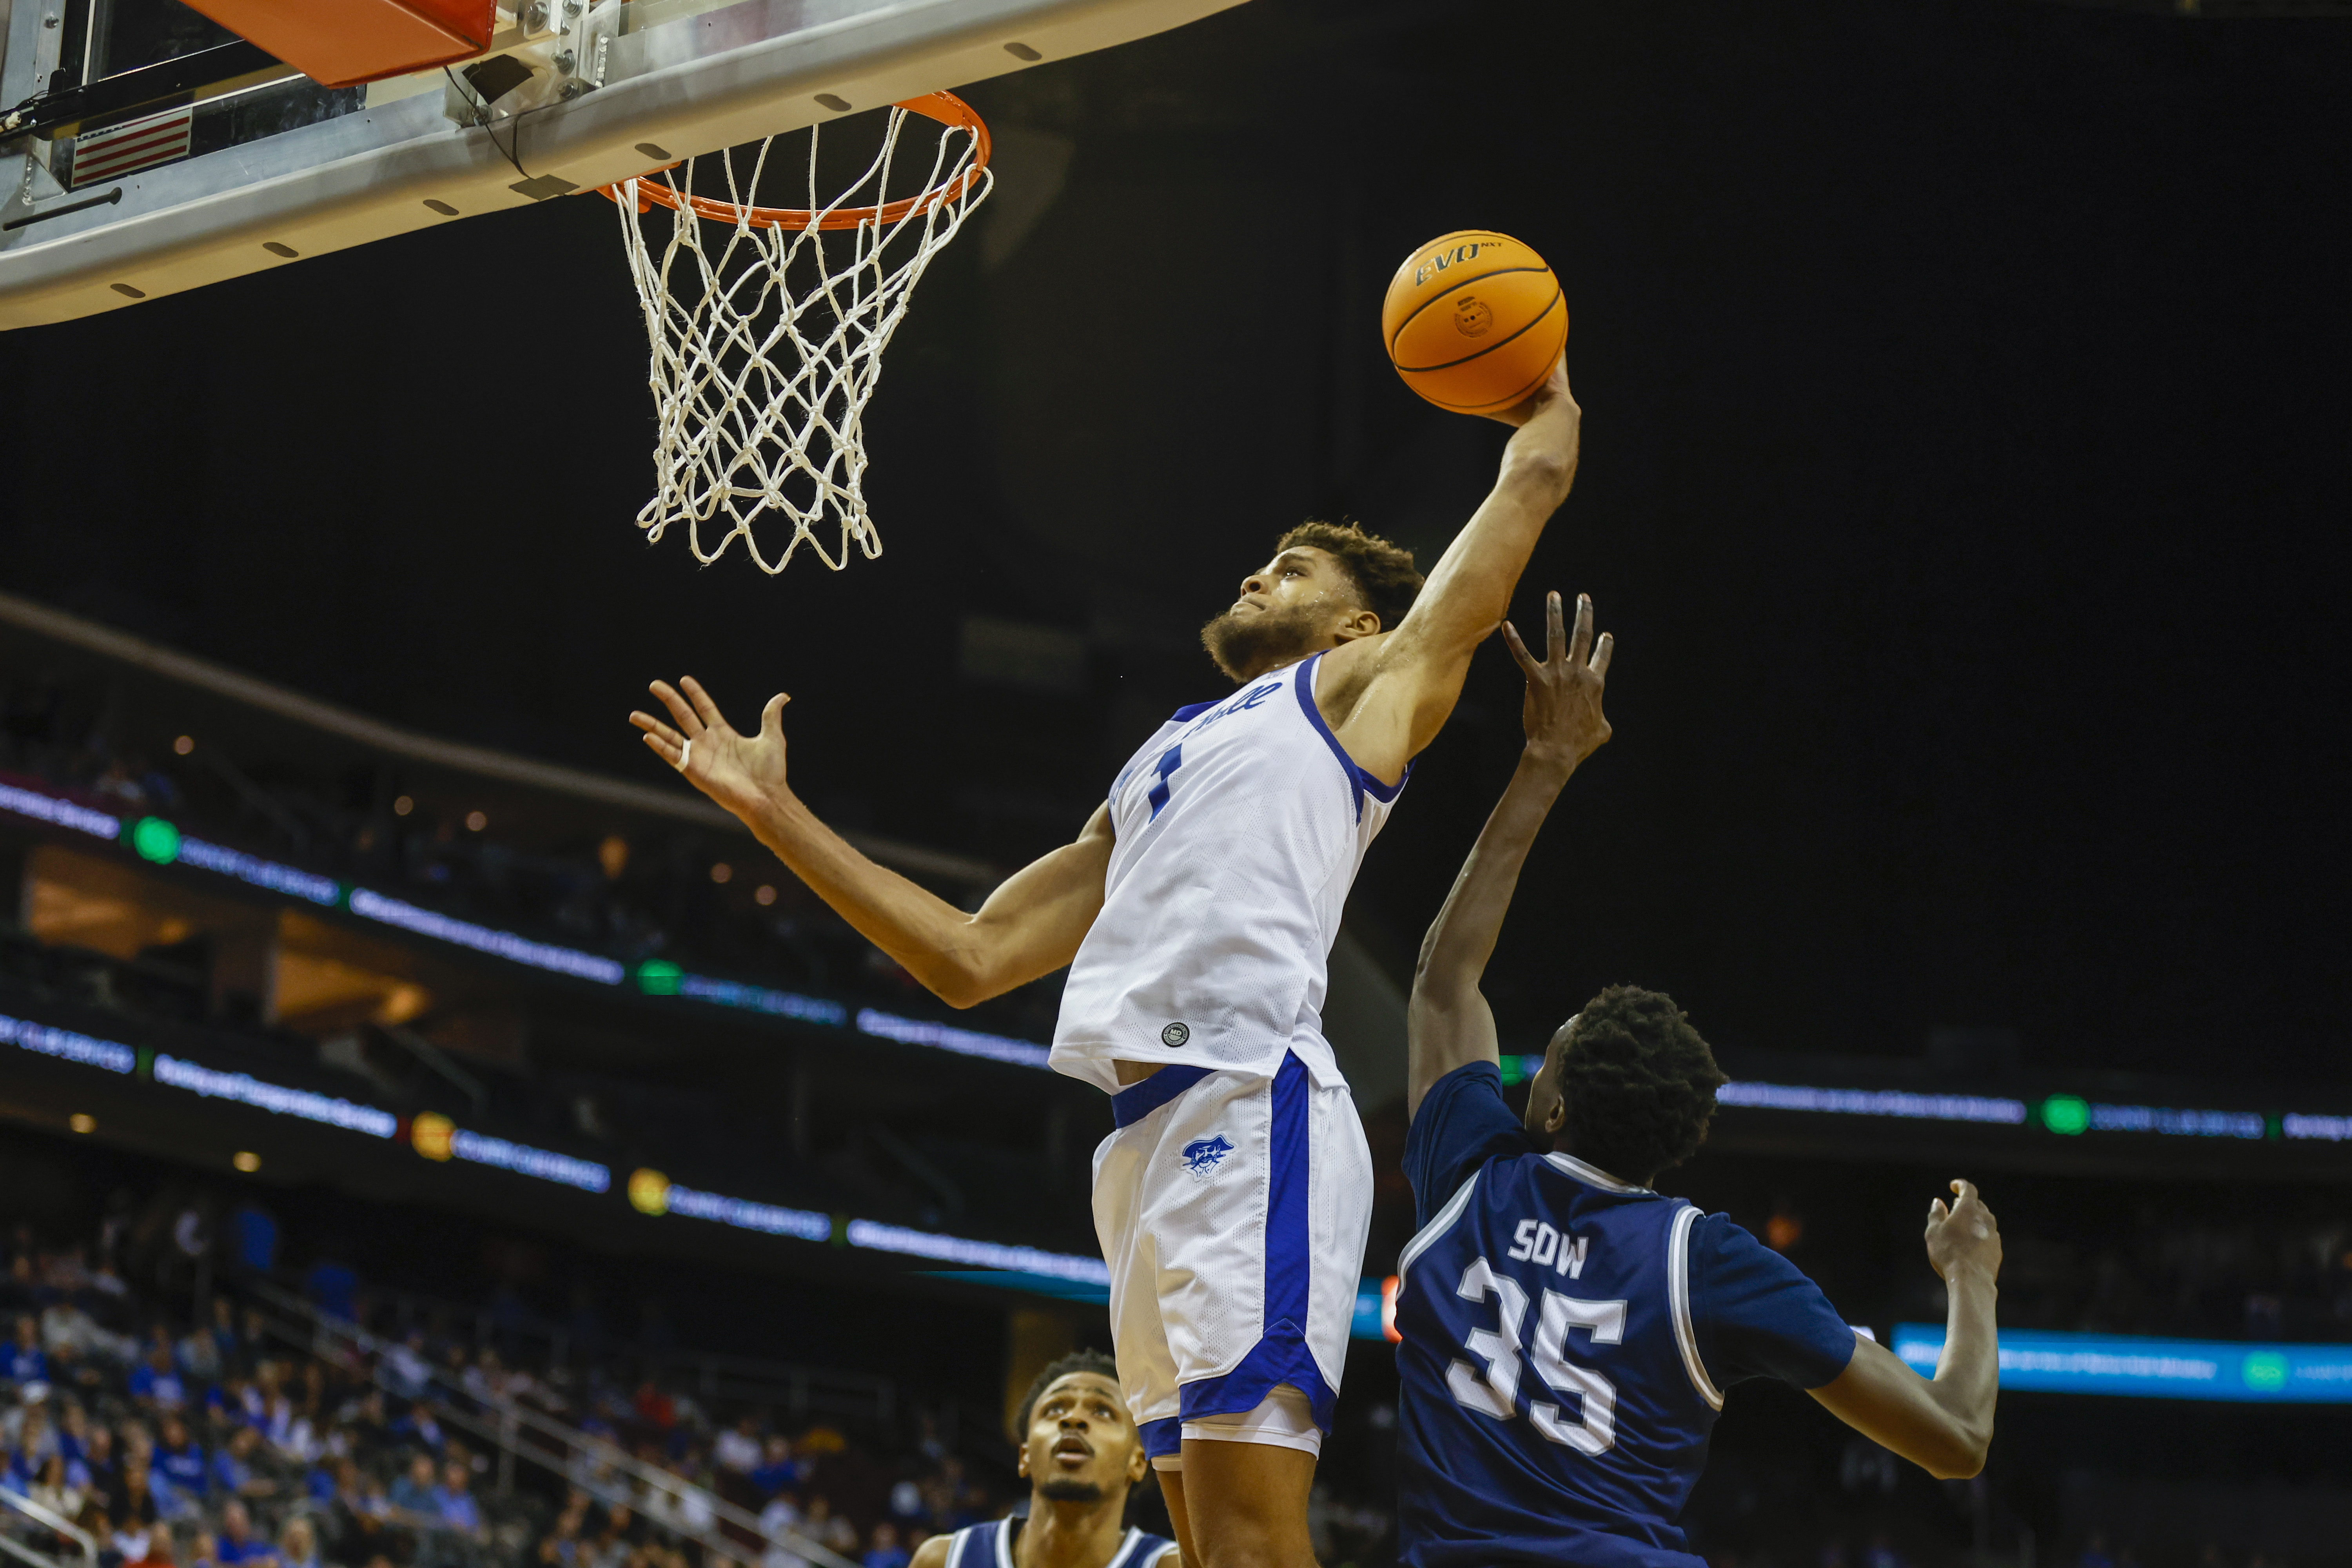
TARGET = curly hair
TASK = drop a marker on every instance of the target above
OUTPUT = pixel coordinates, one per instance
(1638, 1084)
(1384, 573)
(1094, 1361)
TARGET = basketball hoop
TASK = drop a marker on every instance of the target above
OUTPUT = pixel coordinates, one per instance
(766, 349)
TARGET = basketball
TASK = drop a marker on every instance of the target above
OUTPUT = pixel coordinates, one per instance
(1474, 321)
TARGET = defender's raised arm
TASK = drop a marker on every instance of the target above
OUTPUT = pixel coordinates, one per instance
(1388, 707)
(1944, 1424)
(1031, 925)
(1448, 1024)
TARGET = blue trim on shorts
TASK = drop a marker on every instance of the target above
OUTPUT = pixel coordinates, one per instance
(1138, 1100)
(1161, 1438)
(1280, 1354)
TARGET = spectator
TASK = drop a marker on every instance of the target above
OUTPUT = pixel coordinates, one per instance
(776, 1469)
(178, 1473)
(25, 1363)
(453, 1500)
(780, 1519)
(233, 1474)
(2094, 1553)
(617, 1541)
(406, 1367)
(143, 1545)
(418, 1427)
(95, 1524)
(53, 1492)
(137, 1509)
(561, 1546)
(156, 1384)
(297, 1543)
(237, 1544)
(34, 1441)
(885, 1551)
(820, 1526)
(737, 1448)
(412, 1492)
(101, 1472)
(654, 1408)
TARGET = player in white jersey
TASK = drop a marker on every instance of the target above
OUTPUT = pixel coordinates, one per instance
(1196, 913)
(1081, 1455)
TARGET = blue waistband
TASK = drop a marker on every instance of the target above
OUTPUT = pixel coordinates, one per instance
(1138, 1100)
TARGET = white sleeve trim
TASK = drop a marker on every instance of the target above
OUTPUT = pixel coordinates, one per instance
(1678, 1292)
(1438, 1225)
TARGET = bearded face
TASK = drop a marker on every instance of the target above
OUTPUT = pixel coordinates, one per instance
(1247, 641)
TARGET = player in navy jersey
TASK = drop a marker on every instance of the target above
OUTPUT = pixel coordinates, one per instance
(1569, 1332)
(1081, 1454)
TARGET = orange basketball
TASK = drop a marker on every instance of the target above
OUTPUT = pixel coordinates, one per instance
(1474, 321)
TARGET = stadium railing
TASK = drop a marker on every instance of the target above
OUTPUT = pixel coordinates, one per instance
(54, 1523)
(580, 1458)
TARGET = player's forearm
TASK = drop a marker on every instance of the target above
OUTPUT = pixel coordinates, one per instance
(1967, 1372)
(927, 936)
(1454, 954)
(1471, 585)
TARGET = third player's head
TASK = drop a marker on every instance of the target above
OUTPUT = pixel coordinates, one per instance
(1078, 1443)
(1627, 1085)
(1327, 585)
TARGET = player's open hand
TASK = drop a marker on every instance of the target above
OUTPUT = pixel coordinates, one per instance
(742, 772)
(1562, 711)
(1963, 1235)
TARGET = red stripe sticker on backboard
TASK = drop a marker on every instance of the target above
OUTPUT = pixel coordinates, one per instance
(120, 150)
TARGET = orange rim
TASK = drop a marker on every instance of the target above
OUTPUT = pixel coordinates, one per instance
(944, 106)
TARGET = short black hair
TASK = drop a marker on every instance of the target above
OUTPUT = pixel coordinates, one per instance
(1383, 573)
(1638, 1084)
(1094, 1361)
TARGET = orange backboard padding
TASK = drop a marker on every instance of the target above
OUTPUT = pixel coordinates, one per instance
(342, 43)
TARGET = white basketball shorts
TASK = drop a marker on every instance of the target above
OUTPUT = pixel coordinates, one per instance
(1233, 1209)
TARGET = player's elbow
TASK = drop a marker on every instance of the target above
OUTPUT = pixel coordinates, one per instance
(960, 987)
(1958, 1454)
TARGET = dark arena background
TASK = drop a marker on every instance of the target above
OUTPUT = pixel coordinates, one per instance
(383, 1031)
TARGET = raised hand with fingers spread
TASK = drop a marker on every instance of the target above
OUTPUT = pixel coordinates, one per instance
(1448, 1022)
(1561, 711)
(739, 772)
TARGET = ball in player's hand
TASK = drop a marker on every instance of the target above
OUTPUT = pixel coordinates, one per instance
(1474, 321)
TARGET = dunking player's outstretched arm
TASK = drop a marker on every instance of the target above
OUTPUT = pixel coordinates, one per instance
(1031, 925)
(1387, 697)
(1448, 1024)
(1945, 1424)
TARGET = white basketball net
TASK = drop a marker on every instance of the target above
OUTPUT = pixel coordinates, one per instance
(767, 344)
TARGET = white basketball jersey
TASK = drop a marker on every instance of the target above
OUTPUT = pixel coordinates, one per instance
(1240, 825)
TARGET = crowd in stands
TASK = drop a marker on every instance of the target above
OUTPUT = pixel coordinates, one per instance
(233, 1443)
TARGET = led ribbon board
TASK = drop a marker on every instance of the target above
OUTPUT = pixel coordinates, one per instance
(2054, 1362)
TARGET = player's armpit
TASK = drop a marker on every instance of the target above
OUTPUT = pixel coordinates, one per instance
(1894, 1406)
(1030, 926)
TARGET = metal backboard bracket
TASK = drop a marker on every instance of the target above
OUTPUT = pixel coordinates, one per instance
(610, 90)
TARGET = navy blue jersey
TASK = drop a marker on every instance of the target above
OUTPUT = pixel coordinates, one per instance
(990, 1545)
(1566, 1338)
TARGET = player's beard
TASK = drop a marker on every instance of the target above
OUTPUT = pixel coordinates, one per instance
(1069, 1489)
(1246, 645)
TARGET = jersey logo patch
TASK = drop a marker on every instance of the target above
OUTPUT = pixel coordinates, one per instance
(1203, 1155)
(1175, 1034)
